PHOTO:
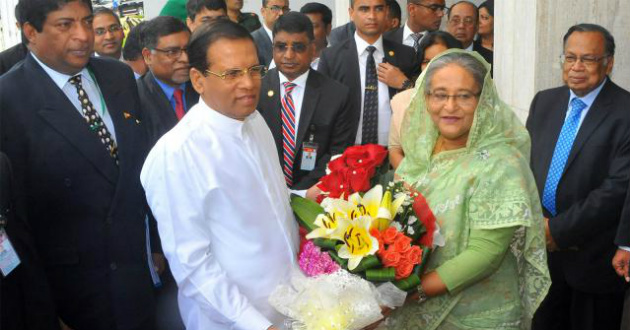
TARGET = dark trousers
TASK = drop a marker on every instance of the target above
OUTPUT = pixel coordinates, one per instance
(565, 308)
(625, 321)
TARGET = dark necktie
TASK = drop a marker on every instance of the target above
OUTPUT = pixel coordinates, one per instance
(179, 104)
(93, 119)
(416, 40)
(369, 131)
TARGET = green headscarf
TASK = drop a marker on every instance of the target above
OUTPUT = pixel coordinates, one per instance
(486, 185)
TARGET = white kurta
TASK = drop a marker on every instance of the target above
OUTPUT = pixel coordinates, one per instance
(217, 191)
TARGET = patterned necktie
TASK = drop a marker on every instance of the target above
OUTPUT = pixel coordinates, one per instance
(416, 40)
(179, 103)
(561, 154)
(369, 131)
(288, 132)
(93, 119)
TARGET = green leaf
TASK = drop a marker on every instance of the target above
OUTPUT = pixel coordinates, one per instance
(368, 262)
(306, 211)
(381, 274)
(409, 283)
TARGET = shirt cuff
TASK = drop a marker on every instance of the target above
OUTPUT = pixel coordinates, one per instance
(626, 248)
(301, 193)
(251, 319)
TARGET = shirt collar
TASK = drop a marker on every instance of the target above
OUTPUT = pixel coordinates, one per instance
(61, 79)
(589, 98)
(362, 44)
(407, 31)
(168, 89)
(470, 48)
(299, 81)
(223, 123)
(269, 33)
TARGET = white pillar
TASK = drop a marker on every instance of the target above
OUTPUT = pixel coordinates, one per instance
(10, 33)
(341, 15)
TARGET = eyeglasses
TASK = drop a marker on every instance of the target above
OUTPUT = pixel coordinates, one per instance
(277, 9)
(468, 21)
(434, 8)
(570, 60)
(256, 72)
(172, 53)
(463, 99)
(297, 47)
(111, 28)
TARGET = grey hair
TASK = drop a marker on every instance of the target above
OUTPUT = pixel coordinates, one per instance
(466, 61)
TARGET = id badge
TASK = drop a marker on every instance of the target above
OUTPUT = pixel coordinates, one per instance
(9, 259)
(309, 155)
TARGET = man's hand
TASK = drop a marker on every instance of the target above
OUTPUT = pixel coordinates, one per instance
(313, 192)
(159, 262)
(390, 75)
(551, 244)
(620, 263)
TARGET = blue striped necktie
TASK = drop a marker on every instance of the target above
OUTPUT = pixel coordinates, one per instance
(561, 154)
(288, 132)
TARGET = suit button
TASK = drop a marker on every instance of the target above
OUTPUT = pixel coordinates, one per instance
(113, 266)
(67, 182)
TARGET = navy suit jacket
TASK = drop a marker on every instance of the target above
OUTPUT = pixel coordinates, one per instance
(324, 115)
(86, 214)
(263, 45)
(591, 192)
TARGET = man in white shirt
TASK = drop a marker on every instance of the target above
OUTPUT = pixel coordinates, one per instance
(217, 191)
(108, 33)
(271, 11)
(424, 16)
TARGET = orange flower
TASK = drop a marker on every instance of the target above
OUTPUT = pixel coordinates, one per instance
(391, 259)
(402, 243)
(390, 234)
(404, 269)
(414, 255)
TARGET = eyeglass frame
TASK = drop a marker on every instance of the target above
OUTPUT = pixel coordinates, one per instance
(456, 97)
(111, 29)
(277, 9)
(297, 50)
(242, 72)
(472, 21)
(590, 61)
(169, 53)
(434, 7)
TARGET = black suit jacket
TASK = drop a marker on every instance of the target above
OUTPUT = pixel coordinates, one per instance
(12, 56)
(341, 63)
(157, 110)
(591, 192)
(324, 115)
(87, 214)
(263, 45)
(341, 33)
(623, 232)
(487, 55)
(25, 299)
(395, 35)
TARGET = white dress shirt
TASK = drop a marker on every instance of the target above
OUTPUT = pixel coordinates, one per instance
(217, 191)
(384, 109)
(89, 85)
(407, 39)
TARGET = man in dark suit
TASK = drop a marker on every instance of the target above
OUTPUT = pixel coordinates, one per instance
(423, 16)
(373, 68)
(305, 110)
(342, 33)
(25, 299)
(271, 10)
(165, 91)
(621, 260)
(77, 144)
(580, 159)
(463, 21)
(11, 56)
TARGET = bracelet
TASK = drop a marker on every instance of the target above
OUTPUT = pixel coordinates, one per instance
(422, 296)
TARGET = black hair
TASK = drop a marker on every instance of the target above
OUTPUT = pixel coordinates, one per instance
(609, 40)
(105, 11)
(294, 22)
(437, 37)
(133, 45)
(489, 5)
(318, 8)
(208, 34)
(476, 15)
(193, 7)
(159, 27)
(35, 12)
(394, 9)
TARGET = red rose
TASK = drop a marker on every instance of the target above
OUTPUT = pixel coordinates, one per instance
(424, 214)
(404, 269)
(337, 164)
(335, 184)
(355, 156)
(414, 255)
(359, 180)
(390, 259)
(402, 243)
(389, 235)
(376, 153)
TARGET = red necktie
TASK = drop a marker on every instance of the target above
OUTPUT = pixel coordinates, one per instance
(288, 132)
(179, 104)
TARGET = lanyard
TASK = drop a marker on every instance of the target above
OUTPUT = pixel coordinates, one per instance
(100, 94)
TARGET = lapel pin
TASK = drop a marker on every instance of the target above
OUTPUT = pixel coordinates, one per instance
(126, 115)
(270, 93)
(391, 53)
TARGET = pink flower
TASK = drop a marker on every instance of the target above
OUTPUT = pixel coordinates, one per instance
(314, 262)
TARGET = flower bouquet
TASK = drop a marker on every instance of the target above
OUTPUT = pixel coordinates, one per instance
(359, 235)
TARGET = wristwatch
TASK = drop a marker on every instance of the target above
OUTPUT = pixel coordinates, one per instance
(407, 84)
(422, 296)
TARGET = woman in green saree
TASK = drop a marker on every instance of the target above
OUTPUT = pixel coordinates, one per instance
(468, 154)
